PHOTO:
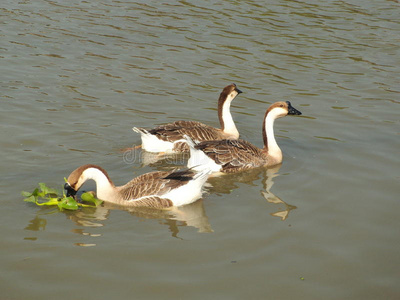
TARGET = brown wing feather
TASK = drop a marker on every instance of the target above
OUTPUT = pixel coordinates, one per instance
(153, 202)
(197, 131)
(188, 124)
(154, 184)
(233, 155)
(202, 133)
(147, 176)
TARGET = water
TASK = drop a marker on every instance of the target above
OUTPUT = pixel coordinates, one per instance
(77, 75)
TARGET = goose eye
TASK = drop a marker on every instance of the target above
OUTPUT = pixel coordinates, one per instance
(281, 105)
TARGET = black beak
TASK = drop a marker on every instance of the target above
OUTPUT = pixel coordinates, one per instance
(237, 90)
(292, 110)
(70, 191)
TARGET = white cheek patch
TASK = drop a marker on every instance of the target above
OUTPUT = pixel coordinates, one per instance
(278, 112)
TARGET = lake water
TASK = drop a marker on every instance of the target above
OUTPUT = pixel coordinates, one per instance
(76, 76)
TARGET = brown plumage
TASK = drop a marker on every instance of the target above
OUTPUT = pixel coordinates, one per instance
(173, 133)
(230, 156)
(151, 189)
(233, 155)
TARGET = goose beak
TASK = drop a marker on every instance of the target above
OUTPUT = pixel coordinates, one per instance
(236, 89)
(292, 110)
(70, 191)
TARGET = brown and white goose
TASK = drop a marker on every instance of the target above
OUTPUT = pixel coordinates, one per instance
(169, 138)
(160, 189)
(230, 156)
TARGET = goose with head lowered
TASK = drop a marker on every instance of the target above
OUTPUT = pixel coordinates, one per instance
(229, 156)
(160, 189)
(169, 138)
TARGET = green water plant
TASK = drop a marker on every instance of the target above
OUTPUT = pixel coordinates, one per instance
(44, 195)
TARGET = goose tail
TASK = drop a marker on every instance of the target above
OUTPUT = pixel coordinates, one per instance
(189, 141)
(140, 130)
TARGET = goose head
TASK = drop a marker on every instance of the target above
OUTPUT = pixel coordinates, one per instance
(229, 93)
(276, 110)
(80, 175)
(281, 109)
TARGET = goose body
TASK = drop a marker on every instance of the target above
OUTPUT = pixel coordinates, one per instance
(230, 156)
(161, 189)
(169, 138)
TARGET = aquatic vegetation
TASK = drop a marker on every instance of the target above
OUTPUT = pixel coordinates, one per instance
(48, 196)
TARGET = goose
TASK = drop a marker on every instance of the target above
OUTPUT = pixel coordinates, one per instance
(160, 189)
(168, 138)
(229, 156)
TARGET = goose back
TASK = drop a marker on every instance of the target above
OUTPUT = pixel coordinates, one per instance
(148, 189)
(169, 137)
(175, 131)
(233, 155)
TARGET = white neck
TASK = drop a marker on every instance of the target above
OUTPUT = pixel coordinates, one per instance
(273, 148)
(229, 125)
(105, 189)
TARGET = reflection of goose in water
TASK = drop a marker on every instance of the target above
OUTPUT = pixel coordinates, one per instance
(229, 182)
(269, 175)
(192, 215)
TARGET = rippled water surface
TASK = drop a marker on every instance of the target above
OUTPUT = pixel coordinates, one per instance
(76, 76)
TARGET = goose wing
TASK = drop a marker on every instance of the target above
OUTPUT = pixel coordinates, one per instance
(153, 202)
(175, 131)
(148, 189)
(233, 155)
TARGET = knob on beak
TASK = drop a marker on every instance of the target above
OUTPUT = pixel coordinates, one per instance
(70, 191)
(292, 110)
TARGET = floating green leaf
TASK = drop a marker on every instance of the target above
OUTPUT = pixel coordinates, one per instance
(89, 197)
(68, 203)
(48, 196)
(45, 190)
(52, 201)
(35, 193)
(31, 198)
(26, 194)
